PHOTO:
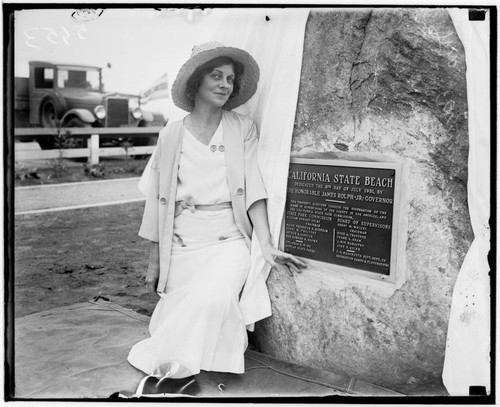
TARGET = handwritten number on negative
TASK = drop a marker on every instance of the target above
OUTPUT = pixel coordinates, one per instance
(65, 36)
(30, 38)
(34, 40)
(51, 33)
(80, 29)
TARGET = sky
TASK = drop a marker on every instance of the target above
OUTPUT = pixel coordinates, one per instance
(139, 44)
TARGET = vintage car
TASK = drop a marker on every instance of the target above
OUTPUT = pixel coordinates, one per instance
(69, 95)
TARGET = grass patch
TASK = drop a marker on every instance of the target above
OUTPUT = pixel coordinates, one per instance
(44, 172)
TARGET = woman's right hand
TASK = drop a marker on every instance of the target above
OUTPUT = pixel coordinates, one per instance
(153, 273)
(152, 276)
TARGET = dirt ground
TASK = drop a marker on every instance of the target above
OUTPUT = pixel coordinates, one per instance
(68, 257)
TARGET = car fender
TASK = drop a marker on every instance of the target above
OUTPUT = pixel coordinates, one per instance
(83, 114)
(159, 119)
(147, 116)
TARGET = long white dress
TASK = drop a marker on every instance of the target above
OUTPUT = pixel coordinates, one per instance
(197, 321)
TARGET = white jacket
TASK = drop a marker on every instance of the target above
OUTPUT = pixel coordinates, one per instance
(245, 185)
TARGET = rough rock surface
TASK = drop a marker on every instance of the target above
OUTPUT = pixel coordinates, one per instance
(390, 81)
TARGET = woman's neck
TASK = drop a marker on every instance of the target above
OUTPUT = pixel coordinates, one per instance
(203, 123)
(206, 115)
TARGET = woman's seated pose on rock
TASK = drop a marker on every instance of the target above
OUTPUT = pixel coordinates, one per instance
(205, 197)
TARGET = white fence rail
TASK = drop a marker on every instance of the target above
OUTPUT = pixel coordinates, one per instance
(93, 135)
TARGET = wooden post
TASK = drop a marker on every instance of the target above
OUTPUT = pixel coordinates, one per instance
(93, 144)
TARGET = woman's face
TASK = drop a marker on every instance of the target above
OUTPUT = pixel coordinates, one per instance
(216, 86)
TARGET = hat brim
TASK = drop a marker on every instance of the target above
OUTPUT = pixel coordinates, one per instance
(248, 79)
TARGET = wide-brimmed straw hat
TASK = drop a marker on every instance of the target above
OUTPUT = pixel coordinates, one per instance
(206, 52)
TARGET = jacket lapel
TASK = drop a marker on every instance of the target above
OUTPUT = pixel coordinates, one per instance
(169, 164)
(170, 154)
(234, 153)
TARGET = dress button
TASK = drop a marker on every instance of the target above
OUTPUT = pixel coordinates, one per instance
(239, 191)
(163, 201)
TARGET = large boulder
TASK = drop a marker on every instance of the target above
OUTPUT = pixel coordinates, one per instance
(389, 81)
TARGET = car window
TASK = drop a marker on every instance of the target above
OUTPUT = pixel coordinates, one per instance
(78, 79)
(44, 78)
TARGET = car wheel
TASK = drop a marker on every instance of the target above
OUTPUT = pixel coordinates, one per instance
(46, 143)
(48, 114)
(77, 122)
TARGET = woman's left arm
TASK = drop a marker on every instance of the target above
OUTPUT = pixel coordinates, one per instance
(258, 215)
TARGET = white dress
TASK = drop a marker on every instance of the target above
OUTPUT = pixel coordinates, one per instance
(198, 322)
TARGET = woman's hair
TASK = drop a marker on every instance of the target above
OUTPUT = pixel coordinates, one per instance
(193, 83)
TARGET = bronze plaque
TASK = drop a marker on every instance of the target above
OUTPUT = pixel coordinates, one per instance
(343, 213)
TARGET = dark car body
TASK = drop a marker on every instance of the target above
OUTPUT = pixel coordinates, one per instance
(70, 95)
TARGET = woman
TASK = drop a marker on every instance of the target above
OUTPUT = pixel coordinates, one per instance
(205, 196)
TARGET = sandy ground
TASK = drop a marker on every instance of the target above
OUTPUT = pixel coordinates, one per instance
(66, 257)
(76, 194)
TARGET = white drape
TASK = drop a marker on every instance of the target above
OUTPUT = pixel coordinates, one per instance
(468, 344)
(275, 38)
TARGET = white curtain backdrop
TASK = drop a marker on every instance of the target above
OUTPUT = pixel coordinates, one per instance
(467, 359)
(275, 38)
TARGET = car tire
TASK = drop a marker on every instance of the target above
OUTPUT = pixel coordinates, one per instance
(46, 142)
(48, 114)
(78, 142)
(77, 122)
